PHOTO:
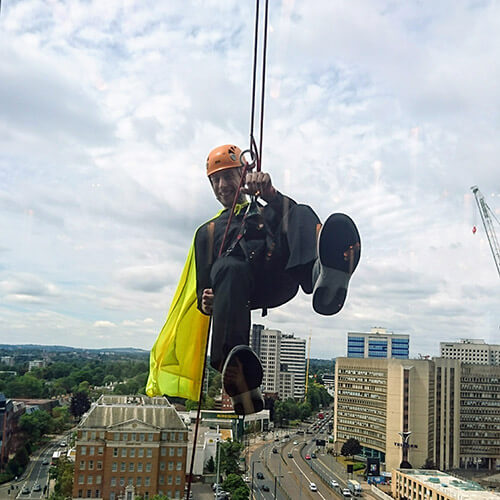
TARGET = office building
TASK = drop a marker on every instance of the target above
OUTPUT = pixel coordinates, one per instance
(130, 445)
(414, 484)
(475, 351)
(378, 399)
(292, 359)
(378, 344)
(449, 407)
(283, 358)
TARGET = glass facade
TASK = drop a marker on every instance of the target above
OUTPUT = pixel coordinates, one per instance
(379, 346)
(355, 347)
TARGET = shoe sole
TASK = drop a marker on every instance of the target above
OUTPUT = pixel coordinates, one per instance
(337, 235)
(242, 376)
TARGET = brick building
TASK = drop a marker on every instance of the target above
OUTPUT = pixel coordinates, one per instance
(130, 445)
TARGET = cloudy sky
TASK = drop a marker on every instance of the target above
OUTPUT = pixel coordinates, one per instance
(387, 111)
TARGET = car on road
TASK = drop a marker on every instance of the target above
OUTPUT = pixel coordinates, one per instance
(25, 491)
(275, 450)
(260, 475)
(264, 487)
(246, 479)
(308, 457)
(37, 487)
(334, 483)
(346, 493)
(313, 487)
(290, 454)
(295, 443)
(45, 462)
(313, 455)
(63, 444)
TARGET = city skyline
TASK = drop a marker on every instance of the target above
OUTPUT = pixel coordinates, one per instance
(385, 112)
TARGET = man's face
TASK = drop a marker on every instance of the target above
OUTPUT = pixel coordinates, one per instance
(225, 185)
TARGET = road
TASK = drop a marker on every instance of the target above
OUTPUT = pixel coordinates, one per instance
(285, 468)
(33, 484)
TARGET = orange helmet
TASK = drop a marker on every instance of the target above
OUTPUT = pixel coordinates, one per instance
(222, 157)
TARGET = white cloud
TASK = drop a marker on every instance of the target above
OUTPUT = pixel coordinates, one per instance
(383, 111)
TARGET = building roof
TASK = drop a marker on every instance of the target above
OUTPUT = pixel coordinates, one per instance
(112, 411)
(450, 485)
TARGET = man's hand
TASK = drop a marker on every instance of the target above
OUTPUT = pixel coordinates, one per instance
(207, 301)
(259, 184)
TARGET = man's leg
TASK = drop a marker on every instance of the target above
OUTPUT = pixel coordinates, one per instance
(232, 283)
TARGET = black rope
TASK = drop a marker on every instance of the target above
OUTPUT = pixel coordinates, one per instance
(255, 160)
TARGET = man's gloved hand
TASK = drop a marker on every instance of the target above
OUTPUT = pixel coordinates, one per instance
(259, 184)
(207, 301)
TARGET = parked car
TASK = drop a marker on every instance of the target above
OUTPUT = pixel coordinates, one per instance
(313, 487)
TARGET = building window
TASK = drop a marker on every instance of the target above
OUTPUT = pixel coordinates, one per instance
(112, 496)
(124, 452)
(98, 479)
(132, 452)
(122, 481)
(179, 465)
(139, 481)
(169, 479)
(141, 452)
(113, 481)
(91, 465)
(162, 465)
(80, 493)
(170, 465)
(83, 450)
(162, 480)
(172, 436)
(117, 436)
(123, 466)
(115, 452)
(82, 465)
(92, 450)
(148, 467)
(164, 436)
(131, 467)
(179, 452)
(163, 451)
(139, 467)
(181, 436)
(150, 436)
(171, 452)
(99, 465)
(149, 452)
(178, 480)
(114, 466)
(80, 479)
(90, 479)
(125, 436)
(141, 436)
(147, 481)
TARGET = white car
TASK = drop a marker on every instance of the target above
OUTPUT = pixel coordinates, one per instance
(346, 493)
(334, 483)
(313, 487)
(246, 479)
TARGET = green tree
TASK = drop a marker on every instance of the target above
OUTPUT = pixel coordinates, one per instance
(26, 386)
(232, 482)
(241, 493)
(350, 448)
(80, 403)
(230, 457)
(36, 424)
(63, 474)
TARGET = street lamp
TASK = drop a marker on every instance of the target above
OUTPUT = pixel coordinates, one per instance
(275, 481)
(253, 464)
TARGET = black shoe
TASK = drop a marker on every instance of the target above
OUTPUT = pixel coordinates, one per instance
(241, 376)
(339, 248)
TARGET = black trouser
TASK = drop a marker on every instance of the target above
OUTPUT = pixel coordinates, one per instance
(240, 286)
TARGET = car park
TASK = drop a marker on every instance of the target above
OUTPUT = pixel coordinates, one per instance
(313, 487)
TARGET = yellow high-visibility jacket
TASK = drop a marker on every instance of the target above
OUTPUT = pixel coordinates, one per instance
(177, 357)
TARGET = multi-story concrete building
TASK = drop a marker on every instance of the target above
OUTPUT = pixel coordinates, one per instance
(450, 408)
(378, 399)
(283, 358)
(130, 445)
(292, 367)
(411, 484)
(475, 351)
(377, 344)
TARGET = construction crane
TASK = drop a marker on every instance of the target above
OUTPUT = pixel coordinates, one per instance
(487, 217)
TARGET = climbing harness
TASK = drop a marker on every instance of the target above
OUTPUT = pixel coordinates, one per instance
(255, 161)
